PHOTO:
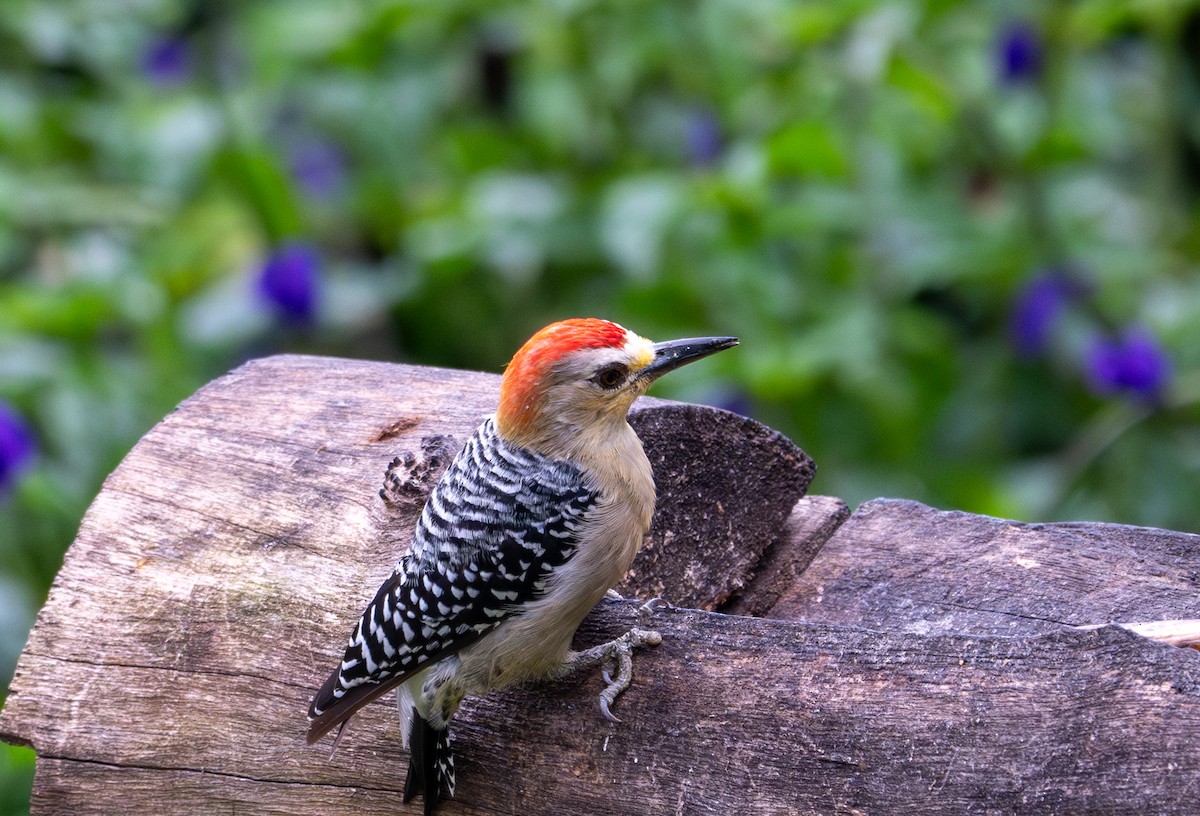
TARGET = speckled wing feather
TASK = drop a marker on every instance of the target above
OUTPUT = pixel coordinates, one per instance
(492, 532)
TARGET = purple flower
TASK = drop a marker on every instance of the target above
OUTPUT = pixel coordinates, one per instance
(318, 165)
(703, 138)
(1132, 362)
(1018, 54)
(167, 61)
(1038, 306)
(289, 279)
(16, 445)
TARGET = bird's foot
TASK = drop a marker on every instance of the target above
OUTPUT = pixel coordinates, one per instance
(645, 612)
(618, 652)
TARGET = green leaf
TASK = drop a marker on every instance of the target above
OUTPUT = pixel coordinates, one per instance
(808, 149)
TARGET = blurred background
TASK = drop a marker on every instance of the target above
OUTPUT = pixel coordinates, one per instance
(959, 240)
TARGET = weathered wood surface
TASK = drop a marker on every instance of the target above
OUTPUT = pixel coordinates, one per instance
(729, 715)
(225, 560)
(720, 507)
(901, 565)
(813, 520)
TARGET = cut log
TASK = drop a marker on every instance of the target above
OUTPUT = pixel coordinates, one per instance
(903, 566)
(726, 485)
(728, 715)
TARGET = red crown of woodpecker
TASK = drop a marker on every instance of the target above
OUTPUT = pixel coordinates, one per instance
(522, 385)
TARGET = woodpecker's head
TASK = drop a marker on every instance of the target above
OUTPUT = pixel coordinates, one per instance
(578, 376)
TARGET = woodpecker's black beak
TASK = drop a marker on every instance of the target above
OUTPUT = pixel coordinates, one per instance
(672, 354)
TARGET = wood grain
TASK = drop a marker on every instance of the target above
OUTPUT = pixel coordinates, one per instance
(730, 714)
(904, 566)
(814, 519)
(726, 486)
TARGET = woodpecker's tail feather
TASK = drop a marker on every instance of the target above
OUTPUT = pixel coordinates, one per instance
(327, 710)
(430, 762)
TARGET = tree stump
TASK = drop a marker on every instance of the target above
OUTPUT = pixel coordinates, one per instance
(936, 662)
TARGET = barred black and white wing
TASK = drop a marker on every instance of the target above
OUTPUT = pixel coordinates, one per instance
(493, 531)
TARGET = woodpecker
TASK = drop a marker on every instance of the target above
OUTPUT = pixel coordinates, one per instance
(539, 514)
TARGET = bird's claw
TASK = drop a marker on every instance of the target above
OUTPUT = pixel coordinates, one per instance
(608, 715)
(621, 654)
(616, 655)
(652, 606)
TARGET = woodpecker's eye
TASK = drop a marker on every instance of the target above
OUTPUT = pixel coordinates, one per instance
(610, 376)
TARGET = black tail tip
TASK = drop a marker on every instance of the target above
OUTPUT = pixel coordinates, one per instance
(430, 764)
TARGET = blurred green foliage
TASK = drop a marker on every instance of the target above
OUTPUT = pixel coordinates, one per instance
(861, 190)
